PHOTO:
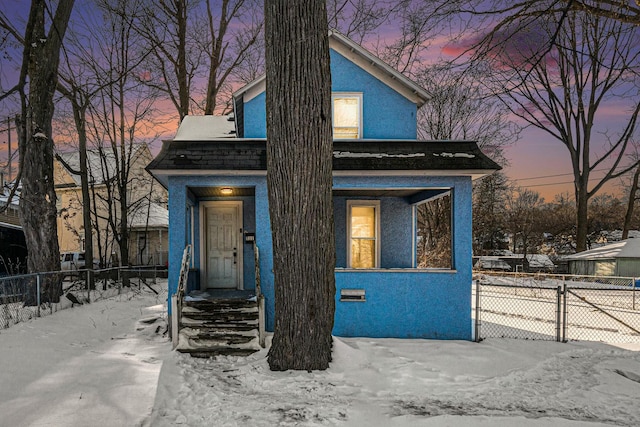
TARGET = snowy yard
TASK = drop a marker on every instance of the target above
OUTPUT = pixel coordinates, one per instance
(109, 364)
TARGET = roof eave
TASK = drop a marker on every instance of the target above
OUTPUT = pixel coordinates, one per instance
(162, 175)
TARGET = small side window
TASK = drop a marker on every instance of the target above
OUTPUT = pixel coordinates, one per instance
(363, 233)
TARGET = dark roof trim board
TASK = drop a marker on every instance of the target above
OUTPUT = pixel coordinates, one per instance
(360, 157)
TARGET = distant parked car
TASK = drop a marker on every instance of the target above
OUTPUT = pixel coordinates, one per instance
(72, 261)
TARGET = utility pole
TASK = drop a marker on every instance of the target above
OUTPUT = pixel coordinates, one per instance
(9, 162)
(9, 146)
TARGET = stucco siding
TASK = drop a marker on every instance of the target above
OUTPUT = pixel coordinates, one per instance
(177, 230)
(386, 113)
(409, 304)
(255, 117)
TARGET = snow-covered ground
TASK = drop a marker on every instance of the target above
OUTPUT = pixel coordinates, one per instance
(108, 364)
(93, 365)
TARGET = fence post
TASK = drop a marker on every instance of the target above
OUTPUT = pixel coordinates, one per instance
(564, 310)
(477, 322)
(558, 312)
(38, 294)
(633, 294)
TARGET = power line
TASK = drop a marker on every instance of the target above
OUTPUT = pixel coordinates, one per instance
(552, 183)
(554, 176)
(559, 183)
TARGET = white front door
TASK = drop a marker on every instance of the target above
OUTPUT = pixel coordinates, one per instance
(222, 245)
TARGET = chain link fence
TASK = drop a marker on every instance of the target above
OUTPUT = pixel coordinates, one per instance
(557, 307)
(24, 297)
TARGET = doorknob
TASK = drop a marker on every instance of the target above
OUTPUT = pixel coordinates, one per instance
(235, 256)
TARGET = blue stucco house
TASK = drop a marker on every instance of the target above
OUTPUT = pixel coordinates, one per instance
(215, 172)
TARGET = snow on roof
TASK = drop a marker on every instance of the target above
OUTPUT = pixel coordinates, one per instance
(13, 226)
(15, 200)
(158, 217)
(629, 248)
(206, 128)
(340, 154)
(5, 192)
(540, 261)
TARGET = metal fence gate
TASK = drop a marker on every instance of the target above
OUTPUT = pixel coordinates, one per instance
(557, 308)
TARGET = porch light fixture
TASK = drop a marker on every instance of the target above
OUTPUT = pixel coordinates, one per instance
(226, 191)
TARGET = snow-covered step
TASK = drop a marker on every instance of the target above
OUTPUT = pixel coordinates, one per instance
(219, 327)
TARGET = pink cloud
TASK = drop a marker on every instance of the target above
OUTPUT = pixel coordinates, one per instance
(509, 47)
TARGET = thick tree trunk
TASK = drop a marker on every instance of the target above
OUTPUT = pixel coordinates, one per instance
(299, 178)
(38, 199)
(631, 203)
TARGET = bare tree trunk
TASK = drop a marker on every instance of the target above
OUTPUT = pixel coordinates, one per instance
(79, 108)
(632, 201)
(86, 200)
(38, 200)
(299, 178)
(582, 225)
(181, 63)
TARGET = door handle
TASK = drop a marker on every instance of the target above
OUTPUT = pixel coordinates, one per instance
(235, 256)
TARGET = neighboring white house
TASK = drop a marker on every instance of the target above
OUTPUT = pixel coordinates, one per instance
(148, 217)
(615, 259)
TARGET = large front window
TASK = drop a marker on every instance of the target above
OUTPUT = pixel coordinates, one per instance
(364, 225)
(347, 116)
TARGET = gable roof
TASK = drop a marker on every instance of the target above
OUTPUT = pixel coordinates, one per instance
(629, 248)
(371, 157)
(100, 167)
(362, 58)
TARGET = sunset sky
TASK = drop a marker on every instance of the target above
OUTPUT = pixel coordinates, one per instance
(536, 161)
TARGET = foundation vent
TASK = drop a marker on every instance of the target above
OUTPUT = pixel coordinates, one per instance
(352, 295)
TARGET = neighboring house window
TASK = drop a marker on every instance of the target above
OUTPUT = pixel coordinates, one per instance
(363, 222)
(347, 115)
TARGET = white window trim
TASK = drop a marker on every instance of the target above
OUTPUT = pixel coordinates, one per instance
(357, 95)
(371, 203)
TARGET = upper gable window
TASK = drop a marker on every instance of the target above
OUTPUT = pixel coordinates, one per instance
(347, 115)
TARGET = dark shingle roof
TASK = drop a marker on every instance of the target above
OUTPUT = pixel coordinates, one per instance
(360, 155)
